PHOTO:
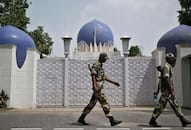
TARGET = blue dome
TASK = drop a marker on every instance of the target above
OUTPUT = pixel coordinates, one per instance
(22, 41)
(103, 33)
(178, 35)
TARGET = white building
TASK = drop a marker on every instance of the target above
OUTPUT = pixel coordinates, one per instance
(18, 61)
(64, 82)
(178, 41)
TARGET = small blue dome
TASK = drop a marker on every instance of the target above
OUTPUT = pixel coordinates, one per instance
(178, 35)
(22, 41)
(95, 28)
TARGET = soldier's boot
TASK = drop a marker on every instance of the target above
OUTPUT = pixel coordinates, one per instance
(184, 122)
(153, 122)
(114, 122)
(82, 121)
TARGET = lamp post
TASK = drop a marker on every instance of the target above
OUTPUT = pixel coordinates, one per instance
(66, 40)
(125, 45)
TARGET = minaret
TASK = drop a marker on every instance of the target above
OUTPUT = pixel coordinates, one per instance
(95, 44)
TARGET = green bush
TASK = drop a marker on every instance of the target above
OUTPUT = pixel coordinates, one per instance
(3, 99)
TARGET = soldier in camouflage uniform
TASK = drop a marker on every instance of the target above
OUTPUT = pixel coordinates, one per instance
(98, 79)
(167, 94)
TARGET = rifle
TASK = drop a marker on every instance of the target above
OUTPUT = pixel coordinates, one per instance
(90, 69)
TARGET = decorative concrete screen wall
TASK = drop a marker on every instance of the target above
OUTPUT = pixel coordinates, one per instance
(80, 85)
(50, 82)
(67, 82)
(142, 81)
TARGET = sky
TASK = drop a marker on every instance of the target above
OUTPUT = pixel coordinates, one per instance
(145, 21)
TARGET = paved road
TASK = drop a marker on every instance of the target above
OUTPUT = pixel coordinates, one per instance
(134, 118)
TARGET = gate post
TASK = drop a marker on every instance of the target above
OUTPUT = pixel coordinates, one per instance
(66, 67)
(126, 82)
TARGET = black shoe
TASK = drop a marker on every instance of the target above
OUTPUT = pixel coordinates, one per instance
(83, 122)
(184, 122)
(153, 123)
(114, 122)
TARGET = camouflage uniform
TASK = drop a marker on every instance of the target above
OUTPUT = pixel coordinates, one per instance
(165, 96)
(98, 71)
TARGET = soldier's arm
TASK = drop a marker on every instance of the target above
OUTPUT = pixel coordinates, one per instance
(111, 81)
(166, 76)
(159, 68)
(158, 89)
(93, 73)
(168, 83)
(95, 88)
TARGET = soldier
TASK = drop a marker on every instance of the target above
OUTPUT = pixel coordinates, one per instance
(167, 94)
(98, 78)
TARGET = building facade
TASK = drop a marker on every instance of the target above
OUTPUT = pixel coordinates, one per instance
(31, 82)
(178, 42)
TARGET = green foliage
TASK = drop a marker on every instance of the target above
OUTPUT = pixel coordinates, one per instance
(3, 99)
(184, 16)
(13, 12)
(115, 49)
(42, 40)
(134, 51)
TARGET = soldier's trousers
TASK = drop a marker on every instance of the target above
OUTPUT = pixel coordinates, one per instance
(101, 97)
(162, 104)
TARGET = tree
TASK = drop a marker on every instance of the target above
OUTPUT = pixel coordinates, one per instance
(13, 12)
(184, 16)
(134, 51)
(42, 40)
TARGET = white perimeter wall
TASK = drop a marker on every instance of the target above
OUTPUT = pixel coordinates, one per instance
(19, 83)
(67, 82)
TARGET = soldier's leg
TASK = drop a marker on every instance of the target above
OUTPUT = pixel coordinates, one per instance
(106, 108)
(104, 103)
(91, 104)
(160, 106)
(158, 110)
(87, 109)
(175, 106)
(177, 109)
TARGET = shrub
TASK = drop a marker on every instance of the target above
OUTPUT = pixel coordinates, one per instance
(3, 99)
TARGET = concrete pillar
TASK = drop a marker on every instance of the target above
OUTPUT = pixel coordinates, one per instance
(126, 82)
(86, 47)
(95, 47)
(100, 47)
(104, 48)
(91, 48)
(66, 67)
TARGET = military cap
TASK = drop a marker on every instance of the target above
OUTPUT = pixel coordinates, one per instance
(103, 55)
(170, 56)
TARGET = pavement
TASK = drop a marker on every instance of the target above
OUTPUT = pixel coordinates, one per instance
(134, 118)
